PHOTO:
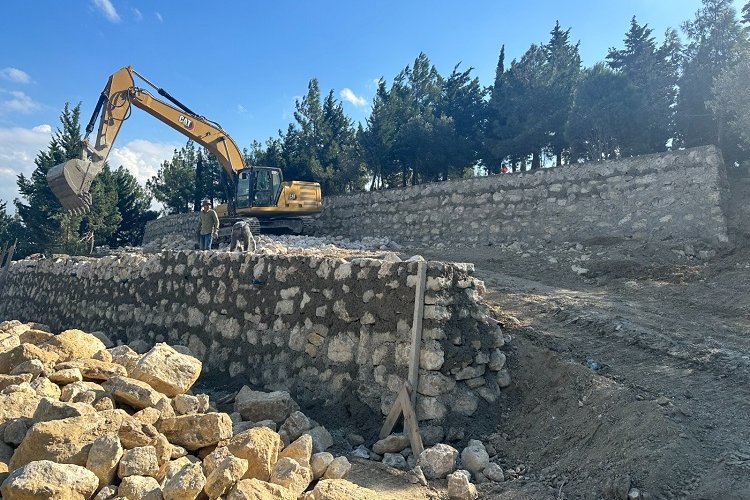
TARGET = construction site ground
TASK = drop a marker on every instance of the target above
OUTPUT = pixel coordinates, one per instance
(633, 374)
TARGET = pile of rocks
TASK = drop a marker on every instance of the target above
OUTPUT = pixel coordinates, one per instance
(80, 420)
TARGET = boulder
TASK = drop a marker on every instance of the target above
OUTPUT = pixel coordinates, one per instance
(67, 376)
(185, 404)
(44, 479)
(196, 431)
(132, 392)
(459, 487)
(104, 456)
(167, 370)
(296, 425)
(68, 440)
(339, 468)
(494, 472)
(6, 380)
(257, 405)
(186, 484)
(395, 443)
(124, 356)
(32, 366)
(8, 341)
(255, 489)
(322, 439)
(134, 433)
(140, 487)
(339, 489)
(140, 461)
(17, 405)
(395, 460)
(438, 461)
(15, 430)
(106, 493)
(35, 336)
(50, 409)
(22, 353)
(319, 462)
(475, 458)
(292, 475)
(260, 447)
(93, 369)
(169, 469)
(225, 476)
(300, 450)
(73, 344)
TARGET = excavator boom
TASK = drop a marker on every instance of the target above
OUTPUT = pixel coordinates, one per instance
(71, 181)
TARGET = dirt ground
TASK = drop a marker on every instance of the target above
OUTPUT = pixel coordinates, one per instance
(632, 374)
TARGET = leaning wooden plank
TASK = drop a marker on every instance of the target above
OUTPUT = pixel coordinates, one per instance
(416, 329)
(411, 427)
(392, 418)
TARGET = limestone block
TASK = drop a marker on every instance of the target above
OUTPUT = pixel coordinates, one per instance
(292, 475)
(494, 472)
(50, 409)
(66, 376)
(255, 489)
(73, 344)
(319, 462)
(186, 484)
(93, 369)
(260, 447)
(225, 476)
(339, 468)
(459, 487)
(139, 461)
(474, 457)
(395, 460)
(103, 458)
(395, 443)
(433, 383)
(497, 360)
(140, 487)
(322, 439)
(300, 449)
(256, 405)
(196, 431)
(339, 489)
(44, 479)
(135, 393)
(295, 425)
(22, 353)
(431, 356)
(438, 461)
(167, 370)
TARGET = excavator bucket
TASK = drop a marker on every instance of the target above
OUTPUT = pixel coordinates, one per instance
(70, 182)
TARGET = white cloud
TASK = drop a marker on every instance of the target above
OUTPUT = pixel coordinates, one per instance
(142, 158)
(107, 9)
(159, 18)
(15, 75)
(348, 95)
(18, 148)
(17, 102)
(137, 14)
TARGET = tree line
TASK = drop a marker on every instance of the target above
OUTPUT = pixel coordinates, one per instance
(649, 95)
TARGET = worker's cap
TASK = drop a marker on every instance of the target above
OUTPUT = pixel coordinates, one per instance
(206, 202)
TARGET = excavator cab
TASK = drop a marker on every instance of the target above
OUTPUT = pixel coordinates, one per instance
(258, 187)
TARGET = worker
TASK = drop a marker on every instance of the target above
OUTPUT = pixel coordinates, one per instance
(208, 225)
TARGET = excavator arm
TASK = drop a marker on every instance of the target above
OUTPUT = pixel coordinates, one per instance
(71, 181)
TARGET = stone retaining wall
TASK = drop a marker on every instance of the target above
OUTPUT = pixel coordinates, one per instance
(670, 197)
(322, 328)
(184, 225)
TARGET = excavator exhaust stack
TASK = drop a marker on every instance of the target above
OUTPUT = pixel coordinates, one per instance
(70, 182)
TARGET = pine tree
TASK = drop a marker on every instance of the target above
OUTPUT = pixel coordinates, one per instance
(133, 204)
(564, 67)
(174, 183)
(104, 218)
(45, 225)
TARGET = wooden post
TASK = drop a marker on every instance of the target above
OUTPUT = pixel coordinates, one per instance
(416, 330)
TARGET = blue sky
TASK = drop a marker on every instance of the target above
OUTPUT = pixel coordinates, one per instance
(243, 63)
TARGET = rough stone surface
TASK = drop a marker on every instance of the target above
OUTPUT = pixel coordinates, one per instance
(438, 461)
(44, 480)
(459, 487)
(166, 370)
(230, 470)
(260, 447)
(339, 468)
(139, 461)
(319, 462)
(292, 475)
(104, 457)
(494, 472)
(395, 443)
(132, 392)
(196, 431)
(339, 489)
(185, 484)
(254, 489)
(257, 405)
(300, 450)
(322, 439)
(141, 487)
(295, 425)
(49, 409)
(395, 460)
(474, 457)
(73, 344)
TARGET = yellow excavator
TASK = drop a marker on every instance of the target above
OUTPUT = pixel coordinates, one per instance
(257, 194)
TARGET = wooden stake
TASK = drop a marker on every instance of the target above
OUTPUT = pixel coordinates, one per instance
(416, 330)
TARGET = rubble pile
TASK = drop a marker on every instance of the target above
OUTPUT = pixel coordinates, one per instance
(82, 419)
(268, 244)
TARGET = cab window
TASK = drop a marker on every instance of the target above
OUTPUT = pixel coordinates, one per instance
(262, 189)
(243, 190)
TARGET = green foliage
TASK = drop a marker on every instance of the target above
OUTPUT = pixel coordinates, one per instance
(730, 104)
(104, 219)
(716, 41)
(133, 204)
(174, 183)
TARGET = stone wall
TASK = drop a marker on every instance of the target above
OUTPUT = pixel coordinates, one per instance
(184, 225)
(671, 197)
(323, 328)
